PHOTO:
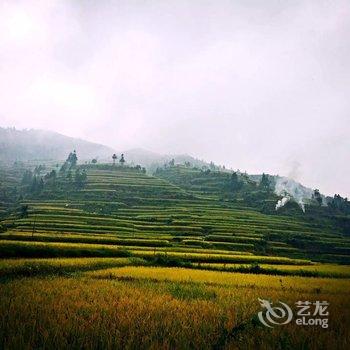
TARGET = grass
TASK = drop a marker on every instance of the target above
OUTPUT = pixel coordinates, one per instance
(14, 268)
(223, 258)
(86, 239)
(10, 249)
(124, 201)
(315, 270)
(225, 278)
(143, 307)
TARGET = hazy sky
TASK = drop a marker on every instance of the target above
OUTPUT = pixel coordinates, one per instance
(256, 85)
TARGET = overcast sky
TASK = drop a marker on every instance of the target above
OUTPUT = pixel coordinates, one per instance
(255, 85)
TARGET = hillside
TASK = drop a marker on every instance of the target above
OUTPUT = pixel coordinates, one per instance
(29, 145)
(43, 145)
(40, 146)
(180, 209)
(103, 250)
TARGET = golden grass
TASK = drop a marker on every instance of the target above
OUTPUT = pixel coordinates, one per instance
(175, 274)
(64, 262)
(326, 269)
(213, 257)
(14, 268)
(165, 308)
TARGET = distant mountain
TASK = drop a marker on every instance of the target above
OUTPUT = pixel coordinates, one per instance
(43, 145)
(28, 145)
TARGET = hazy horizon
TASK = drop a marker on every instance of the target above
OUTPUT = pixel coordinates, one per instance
(256, 86)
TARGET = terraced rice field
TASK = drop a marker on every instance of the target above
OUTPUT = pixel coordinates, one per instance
(137, 261)
(124, 207)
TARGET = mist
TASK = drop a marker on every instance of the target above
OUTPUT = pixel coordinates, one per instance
(261, 86)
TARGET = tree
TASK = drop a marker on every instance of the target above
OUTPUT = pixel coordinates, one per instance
(64, 167)
(172, 162)
(84, 176)
(122, 160)
(70, 162)
(235, 184)
(27, 177)
(34, 185)
(50, 178)
(265, 182)
(94, 161)
(37, 185)
(340, 203)
(80, 178)
(40, 184)
(38, 169)
(51, 175)
(317, 197)
(73, 159)
(114, 157)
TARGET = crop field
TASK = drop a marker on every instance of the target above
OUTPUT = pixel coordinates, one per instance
(129, 307)
(167, 261)
(134, 209)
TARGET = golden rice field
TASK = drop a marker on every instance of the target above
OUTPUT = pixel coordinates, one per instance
(10, 268)
(321, 270)
(184, 275)
(94, 268)
(141, 307)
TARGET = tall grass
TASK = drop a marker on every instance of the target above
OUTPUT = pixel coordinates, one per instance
(165, 309)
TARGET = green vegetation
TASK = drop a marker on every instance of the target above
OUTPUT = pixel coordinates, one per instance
(112, 257)
(16, 268)
(181, 209)
(193, 210)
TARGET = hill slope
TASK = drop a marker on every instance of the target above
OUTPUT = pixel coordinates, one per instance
(124, 206)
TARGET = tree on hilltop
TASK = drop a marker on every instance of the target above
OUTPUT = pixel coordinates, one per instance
(70, 162)
(317, 196)
(122, 160)
(73, 159)
(265, 182)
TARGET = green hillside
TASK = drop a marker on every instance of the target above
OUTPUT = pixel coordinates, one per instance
(183, 212)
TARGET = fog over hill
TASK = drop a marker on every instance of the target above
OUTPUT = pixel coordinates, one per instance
(42, 145)
(257, 85)
(27, 145)
(151, 160)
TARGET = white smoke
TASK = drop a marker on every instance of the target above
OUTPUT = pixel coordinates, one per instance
(290, 189)
(282, 202)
